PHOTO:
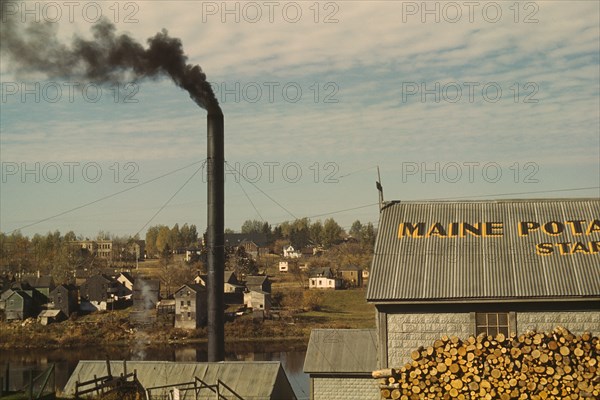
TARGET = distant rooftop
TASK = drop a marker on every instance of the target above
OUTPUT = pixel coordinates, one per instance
(341, 351)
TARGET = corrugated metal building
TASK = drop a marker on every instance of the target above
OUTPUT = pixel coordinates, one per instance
(264, 380)
(340, 363)
(462, 268)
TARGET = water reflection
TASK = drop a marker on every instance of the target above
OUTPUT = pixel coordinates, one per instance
(24, 362)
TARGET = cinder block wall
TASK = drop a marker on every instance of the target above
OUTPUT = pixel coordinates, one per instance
(406, 332)
(345, 389)
(576, 322)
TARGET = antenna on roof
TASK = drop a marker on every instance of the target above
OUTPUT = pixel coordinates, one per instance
(380, 189)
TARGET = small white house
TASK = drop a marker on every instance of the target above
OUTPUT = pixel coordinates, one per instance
(290, 252)
(324, 278)
(322, 282)
(283, 266)
(258, 300)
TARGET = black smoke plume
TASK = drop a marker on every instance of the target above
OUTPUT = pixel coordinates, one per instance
(109, 57)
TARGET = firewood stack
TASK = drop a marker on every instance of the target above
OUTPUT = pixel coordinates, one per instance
(555, 365)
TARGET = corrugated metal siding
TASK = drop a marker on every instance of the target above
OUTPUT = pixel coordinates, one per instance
(506, 267)
(341, 351)
(251, 380)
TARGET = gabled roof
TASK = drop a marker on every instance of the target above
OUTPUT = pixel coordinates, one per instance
(43, 281)
(68, 286)
(21, 286)
(321, 272)
(262, 380)
(21, 293)
(256, 280)
(342, 351)
(127, 276)
(195, 287)
(100, 277)
(517, 260)
(230, 277)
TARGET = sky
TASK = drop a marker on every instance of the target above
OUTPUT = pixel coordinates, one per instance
(444, 100)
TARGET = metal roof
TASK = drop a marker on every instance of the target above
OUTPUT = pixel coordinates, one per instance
(49, 313)
(507, 266)
(251, 380)
(341, 351)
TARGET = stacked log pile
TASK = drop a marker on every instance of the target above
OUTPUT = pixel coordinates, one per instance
(555, 365)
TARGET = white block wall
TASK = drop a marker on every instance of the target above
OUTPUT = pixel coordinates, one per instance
(576, 322)
(406, 332)
(345, 389)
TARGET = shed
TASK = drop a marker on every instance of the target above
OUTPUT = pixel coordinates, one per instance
(258, 301)
(468, 267)
(48, 316)
(340, 363)
(258, 380)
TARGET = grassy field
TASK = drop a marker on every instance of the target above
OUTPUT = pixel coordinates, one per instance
(342, 309)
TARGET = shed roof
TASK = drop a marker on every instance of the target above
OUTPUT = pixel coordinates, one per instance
(428, 268)
(49, 313)
(343, 351)
(251, 380)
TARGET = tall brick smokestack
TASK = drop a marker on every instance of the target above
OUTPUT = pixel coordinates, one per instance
(112, 58)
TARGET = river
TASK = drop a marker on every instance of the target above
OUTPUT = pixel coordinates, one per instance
(23, 361)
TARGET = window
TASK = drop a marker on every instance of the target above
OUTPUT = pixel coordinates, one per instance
(189, 314)
(493, 323)
(181, 303)
(189, 303)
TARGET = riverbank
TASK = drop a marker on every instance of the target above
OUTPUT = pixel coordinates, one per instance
(337, 309)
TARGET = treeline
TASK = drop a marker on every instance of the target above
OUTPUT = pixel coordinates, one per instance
(54, 253)
(161, 239)
(302, 232)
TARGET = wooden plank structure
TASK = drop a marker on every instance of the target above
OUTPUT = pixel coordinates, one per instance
(555, 365)
(219, 389)
(109, 383)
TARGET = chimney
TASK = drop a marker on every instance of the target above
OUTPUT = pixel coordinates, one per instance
(215, 235)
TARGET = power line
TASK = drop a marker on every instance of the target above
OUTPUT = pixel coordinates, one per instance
(170, 198)
(251, 202)
(512, 194)
(106, 197)
(260, 190)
